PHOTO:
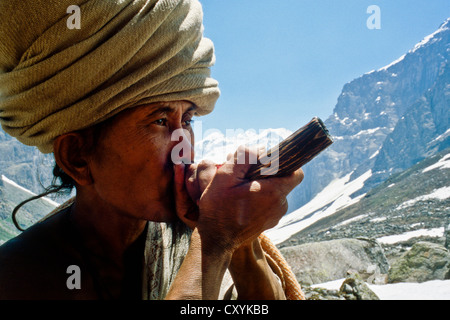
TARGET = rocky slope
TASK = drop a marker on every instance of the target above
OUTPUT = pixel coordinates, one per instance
(415, 199)
(407, 216)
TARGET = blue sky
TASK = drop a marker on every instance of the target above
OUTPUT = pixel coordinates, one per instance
(280, 63)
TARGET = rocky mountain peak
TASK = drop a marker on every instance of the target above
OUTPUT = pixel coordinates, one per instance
(376, 111)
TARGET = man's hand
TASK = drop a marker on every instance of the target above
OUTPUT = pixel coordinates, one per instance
(228, 209)
(227, 213)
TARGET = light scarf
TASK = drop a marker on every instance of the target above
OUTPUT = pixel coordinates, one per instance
(55, 80)
(165, 248)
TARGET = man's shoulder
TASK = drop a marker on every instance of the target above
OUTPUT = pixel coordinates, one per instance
(40, 238)
(38, 256)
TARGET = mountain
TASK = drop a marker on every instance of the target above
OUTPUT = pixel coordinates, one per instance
(423, 130)
(25, 165)
(386, 120)
(216, 145)
(12, 194)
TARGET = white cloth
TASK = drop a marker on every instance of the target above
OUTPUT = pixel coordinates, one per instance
(165, 248)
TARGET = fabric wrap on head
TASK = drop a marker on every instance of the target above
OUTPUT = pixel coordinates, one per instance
(55, 80)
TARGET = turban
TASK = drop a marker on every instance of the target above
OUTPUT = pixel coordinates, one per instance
(56, 79)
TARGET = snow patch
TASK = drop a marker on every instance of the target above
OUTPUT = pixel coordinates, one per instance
(430, 290)
(436, 232)
(430, 38)
(443, 163)
(439, 194)
(392, 63)
(332, 198)
(427, 40)
(368, 131)
(375, 154)
(442, 136)
(12, 183)
(357, 218)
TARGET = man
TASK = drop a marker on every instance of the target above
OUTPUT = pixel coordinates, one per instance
(106, 100)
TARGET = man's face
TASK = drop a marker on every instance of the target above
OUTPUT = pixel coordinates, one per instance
(132, 166)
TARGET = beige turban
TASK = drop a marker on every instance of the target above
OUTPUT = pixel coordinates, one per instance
(54, 79)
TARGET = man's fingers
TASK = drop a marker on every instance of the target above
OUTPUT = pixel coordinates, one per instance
(280, 186)
(206, 171)
(291, 181)
(198, 176)
(240, 162)
(287, 183)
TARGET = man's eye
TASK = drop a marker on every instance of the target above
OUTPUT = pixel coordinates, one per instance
(161, 122)
(189, 122)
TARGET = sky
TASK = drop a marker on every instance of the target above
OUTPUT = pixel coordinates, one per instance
(280, 63)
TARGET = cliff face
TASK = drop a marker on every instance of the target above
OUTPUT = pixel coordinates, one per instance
(387, 120)
(421, 132)
(23, 164)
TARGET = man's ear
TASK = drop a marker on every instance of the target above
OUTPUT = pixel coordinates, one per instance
(69, 156)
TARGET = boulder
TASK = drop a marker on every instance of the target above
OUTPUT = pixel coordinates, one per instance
(322, 294)
(425, 261)
(325, 261)
(354, 288)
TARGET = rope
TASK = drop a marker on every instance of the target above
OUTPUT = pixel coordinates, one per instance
(292, 288)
